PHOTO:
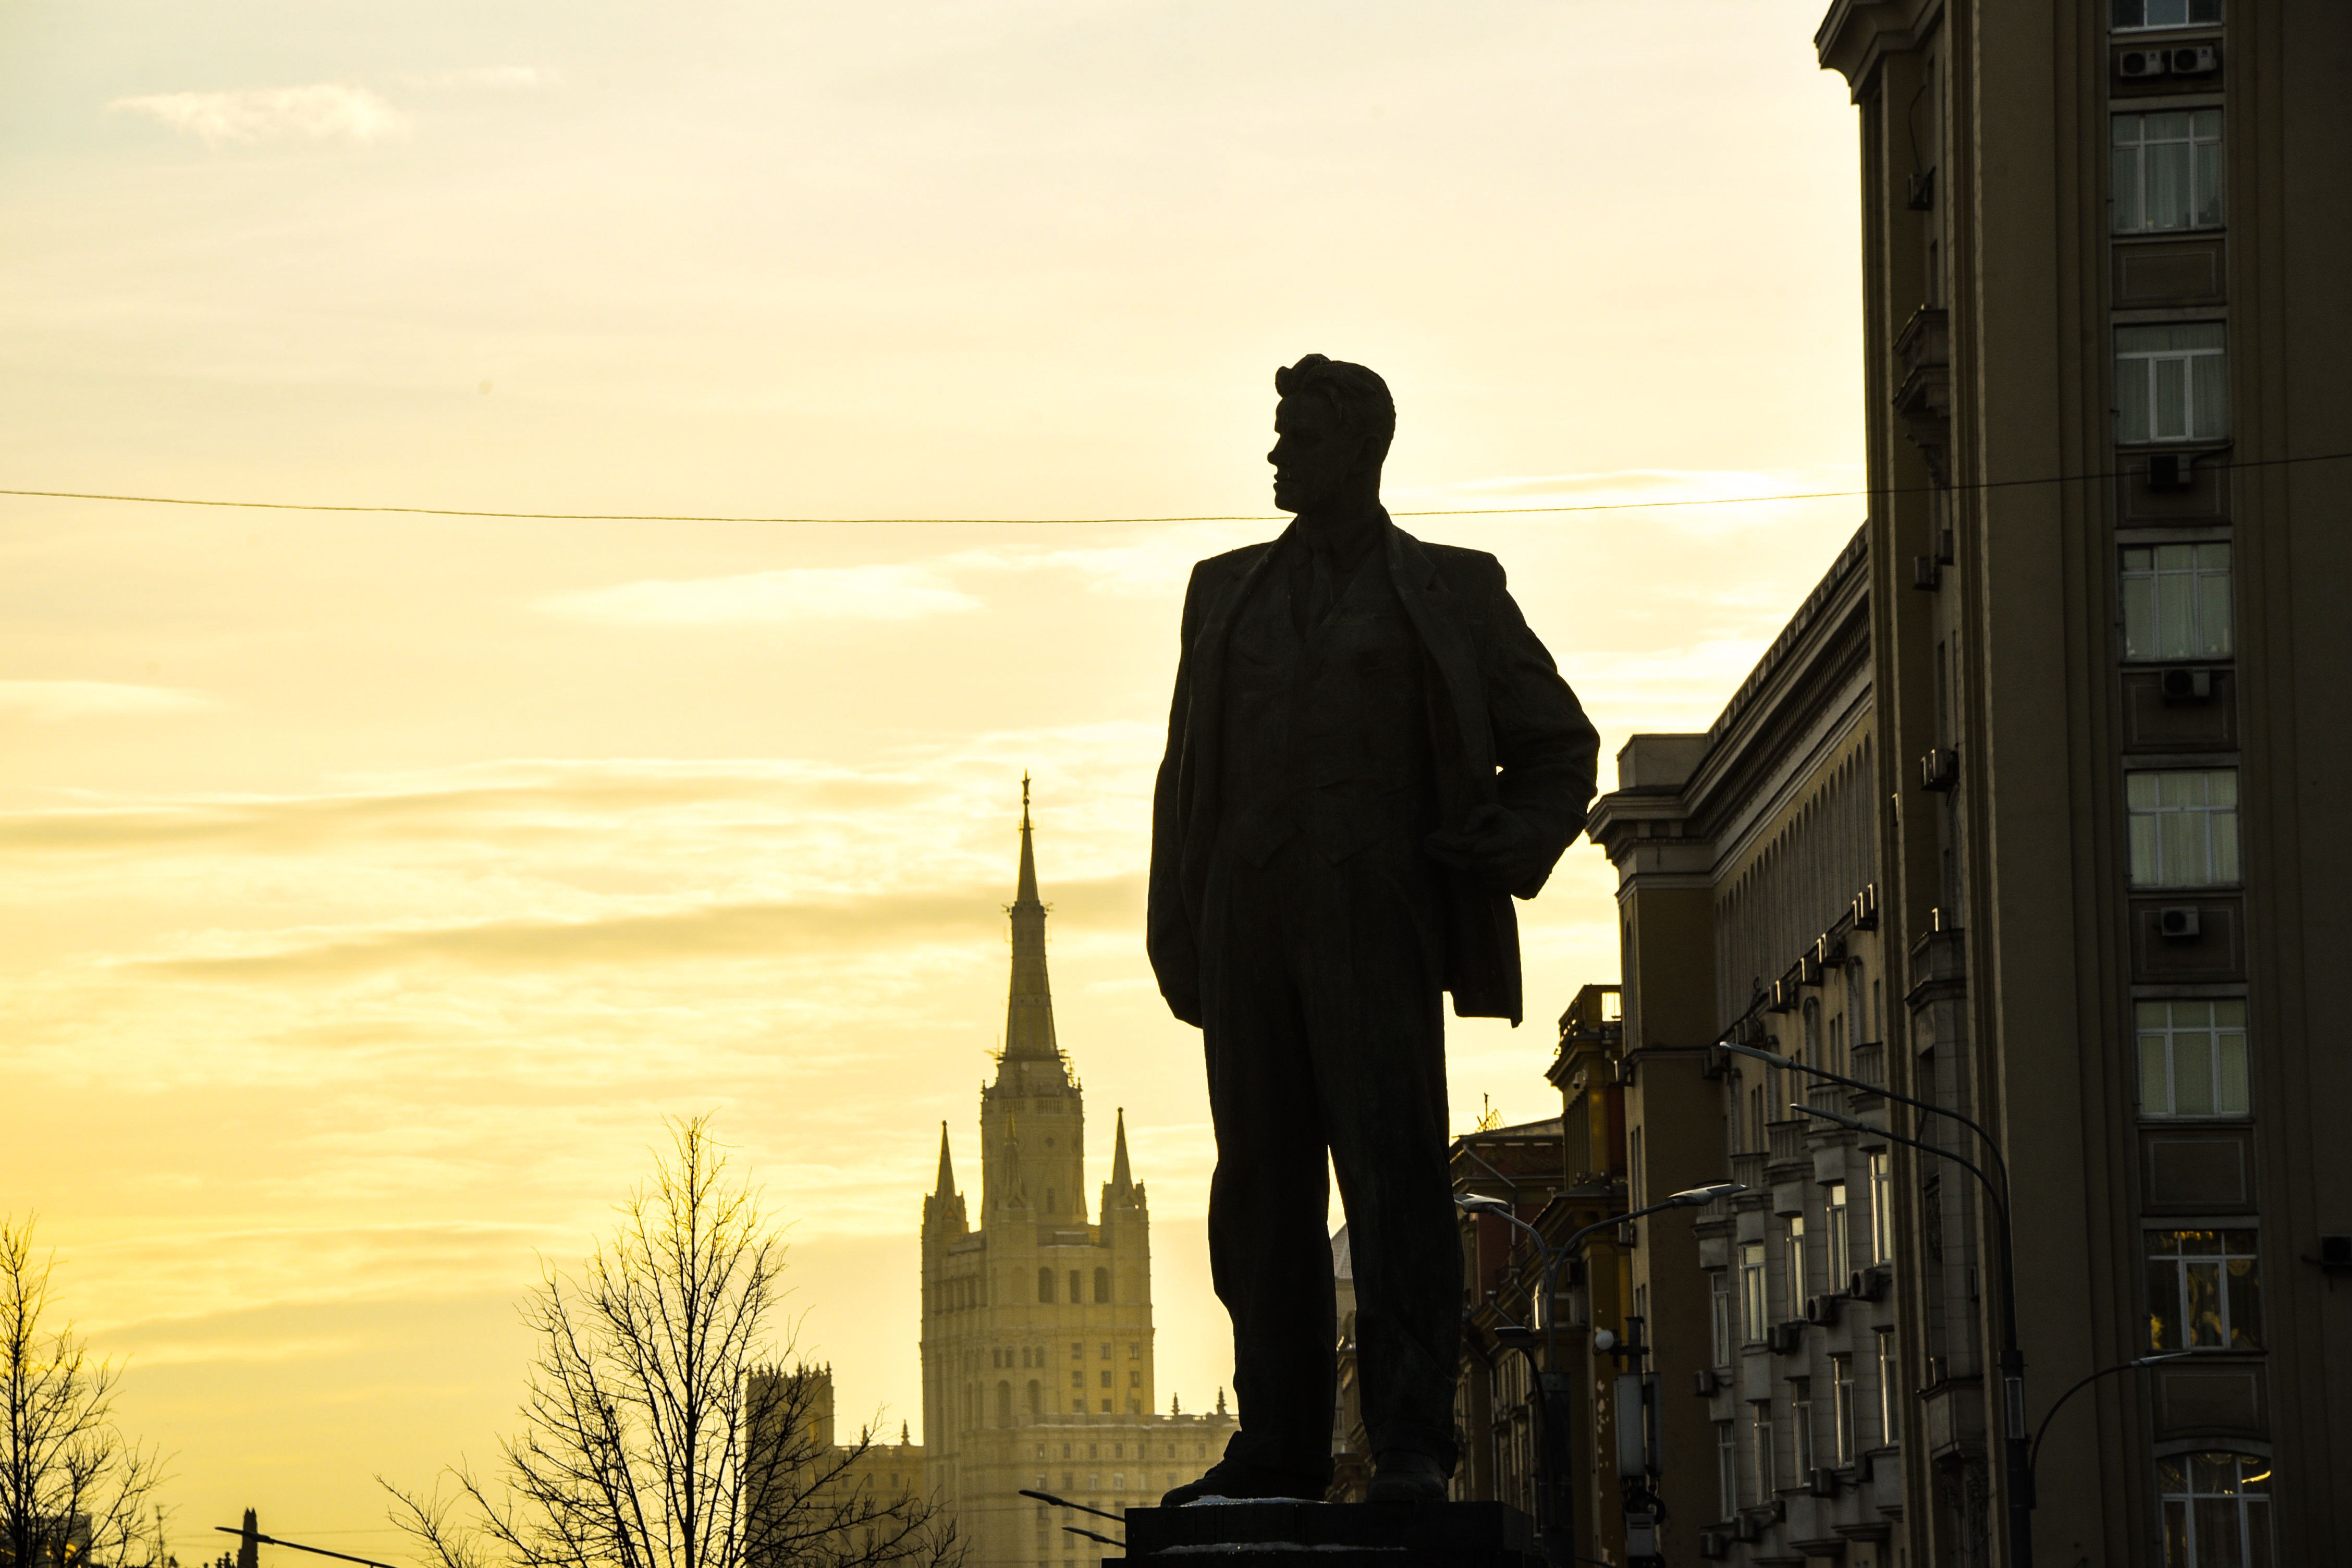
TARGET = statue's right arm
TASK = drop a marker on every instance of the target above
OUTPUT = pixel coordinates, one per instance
(1168, 926)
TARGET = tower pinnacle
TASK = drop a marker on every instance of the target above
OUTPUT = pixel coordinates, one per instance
(1122, 1178)
(947, 1167)
(1029, 1009)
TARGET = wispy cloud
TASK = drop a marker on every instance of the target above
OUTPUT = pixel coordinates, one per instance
(697, 934)
(59, 699)
(880, 592)
(322, 112)
(480, 76)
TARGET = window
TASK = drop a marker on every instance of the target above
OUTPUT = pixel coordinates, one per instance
(1841, 1260)
(1077, 1351)
(2169, 383)
(1760, 1418)
(1074, 1296)
(2217, 1510)
(1102, 1285)
(1890, 1390)
(1135, 1380)
(1751, 1290)
(1798, 1279)
(1719, 1299)
(1727, 1470)
(1106, 1377)
(1135, 1352)
(1077, 1378)
(2202, 1291)
(1881, 1207)
(2192, 1058)
(1046, 1286)
(2184, 827)
(2176, 602)
(2167, 171)
(2131, 14)
(1842, 1406)
(1801, 1424)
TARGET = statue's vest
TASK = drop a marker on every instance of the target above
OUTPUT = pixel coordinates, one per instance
(1325, 733)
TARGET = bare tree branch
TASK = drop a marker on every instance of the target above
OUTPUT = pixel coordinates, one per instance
(73, 1489)
(658, 1430)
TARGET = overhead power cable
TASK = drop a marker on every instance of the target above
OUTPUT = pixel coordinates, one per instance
(2220, 464)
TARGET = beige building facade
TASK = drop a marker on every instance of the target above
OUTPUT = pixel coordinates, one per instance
(1036, 1324)
(2037, 812)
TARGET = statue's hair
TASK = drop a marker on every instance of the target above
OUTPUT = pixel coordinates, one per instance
(1357, 394)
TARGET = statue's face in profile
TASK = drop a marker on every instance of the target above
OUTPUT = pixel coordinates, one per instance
(1315, 457)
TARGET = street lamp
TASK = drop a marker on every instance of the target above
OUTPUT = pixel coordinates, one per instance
(1556, 1532)
(2017, 1462)
(2033, 1457)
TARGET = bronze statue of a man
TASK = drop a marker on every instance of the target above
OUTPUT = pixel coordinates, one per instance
(1369, 754)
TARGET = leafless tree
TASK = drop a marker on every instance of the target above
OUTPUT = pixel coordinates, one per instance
(655, 1433)
(73, 1489)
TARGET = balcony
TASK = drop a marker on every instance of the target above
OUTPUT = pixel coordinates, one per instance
(1923, 397)
(1787, 1140)
(1869, 1064)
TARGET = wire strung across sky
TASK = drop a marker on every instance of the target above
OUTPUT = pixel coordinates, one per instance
(2226, 464)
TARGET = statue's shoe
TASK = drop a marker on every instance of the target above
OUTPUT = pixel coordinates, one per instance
(1231, 1478)
(1406, 1477)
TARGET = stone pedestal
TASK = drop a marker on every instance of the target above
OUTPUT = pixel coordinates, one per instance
(1332, 1535)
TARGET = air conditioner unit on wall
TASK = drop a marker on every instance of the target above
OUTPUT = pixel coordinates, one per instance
(1820, 1309)
(1867, 1284)
(1713, 1543)
(2178, 922)
(2192, 59)
(2138, 64)
(1705, 1381)
(1821, 1481)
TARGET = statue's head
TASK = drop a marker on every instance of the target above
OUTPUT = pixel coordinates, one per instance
(1331, 432)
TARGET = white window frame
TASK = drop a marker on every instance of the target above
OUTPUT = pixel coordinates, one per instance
(1842, 1406)
(2150, 357)
(1754, 1305)
(2175, 602)
(1839, 1219)
(1890, 1390)
(2170, 1029)
(2196, 1286)
(2134, 159)
(1881, 1207)
(1760, 1428)
(2184, 827)
(2189, 1486)
(1799, 1277)
(1727, 1467)
(2188, 9)
(1800, 1425)
(1719, 1304)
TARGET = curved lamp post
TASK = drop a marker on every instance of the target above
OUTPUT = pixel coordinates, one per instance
(2017, 1462)
(2033, 1456)
(1557, 1530)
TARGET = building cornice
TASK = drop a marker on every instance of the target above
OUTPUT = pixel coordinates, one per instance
(1857, 33)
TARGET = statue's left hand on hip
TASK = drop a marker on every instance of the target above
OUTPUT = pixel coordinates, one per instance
(1497, 845)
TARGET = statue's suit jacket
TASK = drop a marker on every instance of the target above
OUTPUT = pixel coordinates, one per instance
(1503, 729)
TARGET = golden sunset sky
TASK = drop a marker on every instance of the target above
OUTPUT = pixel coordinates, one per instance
(373, 885)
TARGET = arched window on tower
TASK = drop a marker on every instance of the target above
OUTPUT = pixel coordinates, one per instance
(1078, 1287)
(1036, 1399)
(1102, 1285)
(1004, 1405)
(1046, 1286)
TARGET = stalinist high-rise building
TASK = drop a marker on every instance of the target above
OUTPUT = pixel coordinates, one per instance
(1038, 1364)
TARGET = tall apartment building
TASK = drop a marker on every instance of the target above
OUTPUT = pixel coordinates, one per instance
(1037, 1323)
(2037, 812)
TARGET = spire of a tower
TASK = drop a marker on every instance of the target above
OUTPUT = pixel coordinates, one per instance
(946, 1188)
(1029, 1009)
(1122, 1178)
